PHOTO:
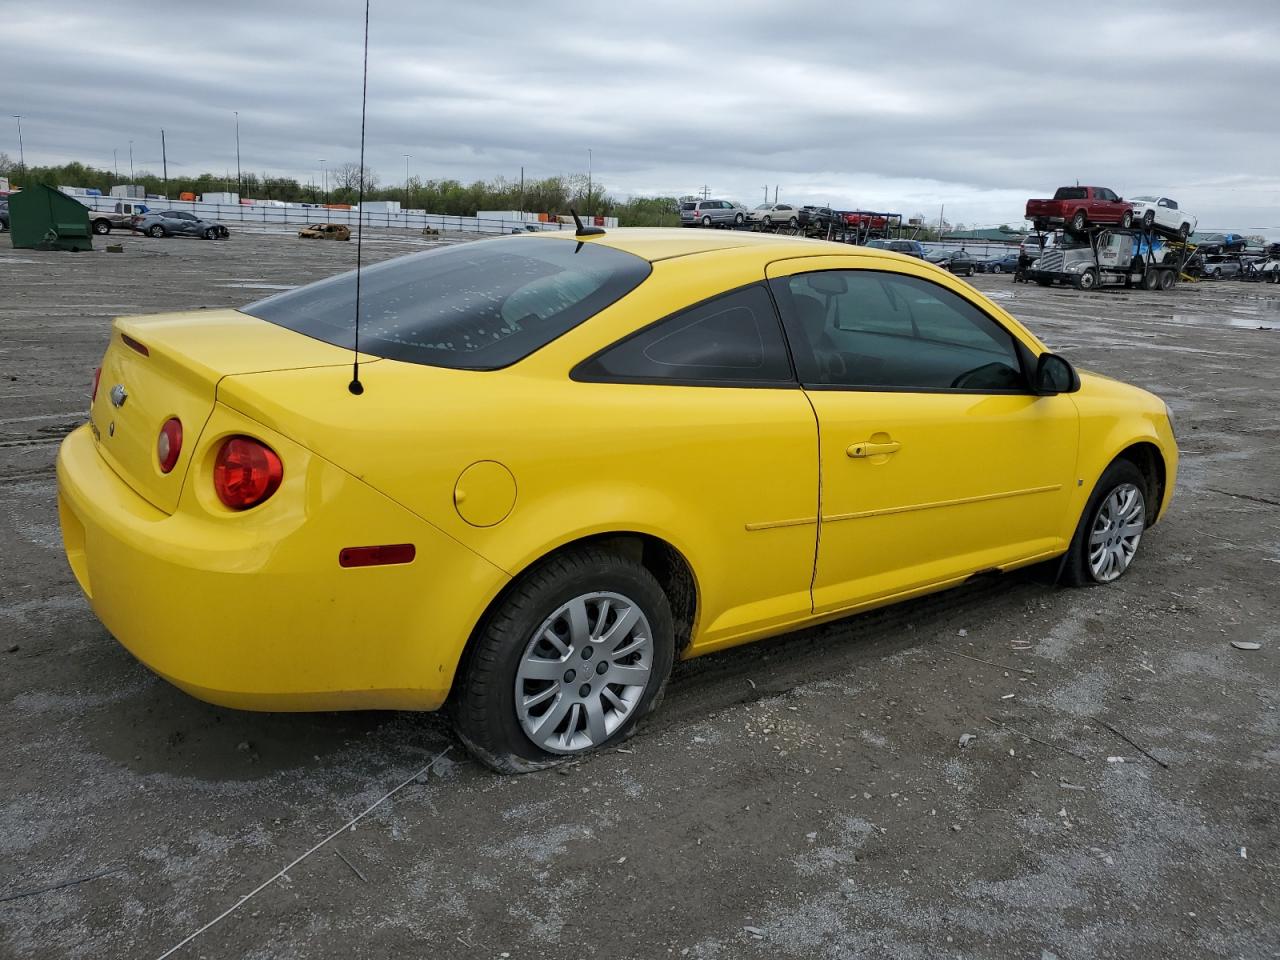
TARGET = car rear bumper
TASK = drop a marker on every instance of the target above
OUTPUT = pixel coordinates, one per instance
(254, 612)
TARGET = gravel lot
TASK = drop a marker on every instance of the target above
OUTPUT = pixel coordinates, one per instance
(805, 797)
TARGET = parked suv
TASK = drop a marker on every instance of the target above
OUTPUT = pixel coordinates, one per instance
(709, 213)
(912, 248)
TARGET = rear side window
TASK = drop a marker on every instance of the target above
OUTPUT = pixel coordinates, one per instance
(733, 340)
(474, 306)
(1071, 193)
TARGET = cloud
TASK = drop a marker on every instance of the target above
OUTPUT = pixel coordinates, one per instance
(895, 106)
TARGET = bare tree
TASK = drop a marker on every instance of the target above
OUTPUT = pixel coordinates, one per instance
(346, 177)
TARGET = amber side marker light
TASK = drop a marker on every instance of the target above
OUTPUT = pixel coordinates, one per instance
(382, 555)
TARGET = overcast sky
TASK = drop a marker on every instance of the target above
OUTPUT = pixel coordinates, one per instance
(891, 106)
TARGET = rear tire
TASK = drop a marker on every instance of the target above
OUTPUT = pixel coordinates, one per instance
(1078, 222)
(1126, 220)
(157, 231)
(706, 221)
(510, 658)
(793, 223)
(996, 268)
(1150, 281)
(1110, 529)
(1167, 279)
(211, 233)
(738, 220)
(1148, 219)
(1184, 231)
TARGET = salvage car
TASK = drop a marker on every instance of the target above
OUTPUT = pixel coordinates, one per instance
(325, 231)
(959, 262)
(179, 223)
(1221, 266)
(530, 499)
(1163, 213)
(1005, 263)
(912, 248)
(773, 214)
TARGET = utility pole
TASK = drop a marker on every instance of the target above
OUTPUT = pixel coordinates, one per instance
(406, 181)
(131, 161)
(522, 190)
(941, 211)
(589, 203)
(164, 161)
(115, 162)
(766, 193)
(325, 175)
(706, 191)
(775, 193)
(22, 154)
(239, 182)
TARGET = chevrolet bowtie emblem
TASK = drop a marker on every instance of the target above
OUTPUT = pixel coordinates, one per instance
(118, 395)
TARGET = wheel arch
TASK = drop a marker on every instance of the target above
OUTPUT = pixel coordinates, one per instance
(669, 566)
(1149, 460)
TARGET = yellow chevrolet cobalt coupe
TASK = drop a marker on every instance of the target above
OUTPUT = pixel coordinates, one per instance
(574, 460)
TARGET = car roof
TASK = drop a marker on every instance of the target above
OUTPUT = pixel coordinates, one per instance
(661, 243)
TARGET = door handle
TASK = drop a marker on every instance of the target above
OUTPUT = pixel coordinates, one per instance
(866, 448)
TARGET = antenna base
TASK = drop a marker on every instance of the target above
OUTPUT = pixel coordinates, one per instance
(356, 387)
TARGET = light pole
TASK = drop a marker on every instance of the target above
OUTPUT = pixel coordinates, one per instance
(115, 162)
(406, 180)
(324, 175)
(131, 161)
(239, 182)
(589, 204)
(22, 155)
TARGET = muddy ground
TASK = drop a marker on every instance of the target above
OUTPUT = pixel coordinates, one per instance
(805, 797)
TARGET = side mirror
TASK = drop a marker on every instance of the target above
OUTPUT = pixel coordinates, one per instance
(1055, 375)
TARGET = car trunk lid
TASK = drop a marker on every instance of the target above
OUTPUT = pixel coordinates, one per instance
(168, 366)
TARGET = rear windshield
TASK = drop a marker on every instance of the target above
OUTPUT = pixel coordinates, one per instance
(1072, 193)
(473, 306)
(688, 206)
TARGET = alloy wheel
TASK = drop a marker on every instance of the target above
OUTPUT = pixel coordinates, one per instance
(583, 672)
(1117, 530)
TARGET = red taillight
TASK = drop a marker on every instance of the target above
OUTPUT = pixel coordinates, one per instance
(97, 376)
(376, 556)
(246, 472)
(169, 444)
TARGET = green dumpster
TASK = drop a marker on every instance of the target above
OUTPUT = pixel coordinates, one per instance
(42, 218)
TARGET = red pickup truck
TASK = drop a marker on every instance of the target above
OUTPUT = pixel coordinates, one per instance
(1077, 207)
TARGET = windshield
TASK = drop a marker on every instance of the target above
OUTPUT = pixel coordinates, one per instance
(474, 306)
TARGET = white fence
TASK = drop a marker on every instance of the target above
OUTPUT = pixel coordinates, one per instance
(402, 219)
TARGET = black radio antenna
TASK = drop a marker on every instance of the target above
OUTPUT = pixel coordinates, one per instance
(355, 386)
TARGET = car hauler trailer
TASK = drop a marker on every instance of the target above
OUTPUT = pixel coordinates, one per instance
(1111, 256)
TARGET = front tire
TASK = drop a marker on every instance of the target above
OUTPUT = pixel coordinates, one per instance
(102, 227)
(1107, 538)
(1126, 220)
(1148, 219)
(1086, 280)
(211, 233)
(996, 268)
(571, 659)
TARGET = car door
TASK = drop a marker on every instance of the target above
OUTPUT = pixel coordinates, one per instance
(732, 441)
(936, 461)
